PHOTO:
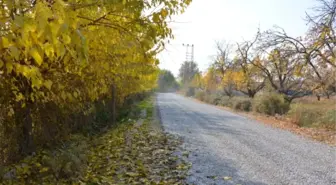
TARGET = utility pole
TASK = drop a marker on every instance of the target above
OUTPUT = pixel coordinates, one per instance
(189, 56)
(189, 52)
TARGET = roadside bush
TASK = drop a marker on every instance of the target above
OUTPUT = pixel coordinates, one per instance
(68, 161)
(241, 103)
(303, 116)
(270, 104)
(312, 116)
(200, 95)
(225, 101)
(328, 120)
(190, 91)
(213, 99)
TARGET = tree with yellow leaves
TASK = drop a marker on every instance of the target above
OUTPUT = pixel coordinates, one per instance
(210, 80)
(72, 53)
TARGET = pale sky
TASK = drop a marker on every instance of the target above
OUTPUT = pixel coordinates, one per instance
(207, 21)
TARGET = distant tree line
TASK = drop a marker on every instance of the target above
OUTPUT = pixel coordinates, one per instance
(167, 82)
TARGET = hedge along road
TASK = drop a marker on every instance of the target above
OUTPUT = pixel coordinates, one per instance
(226, 148)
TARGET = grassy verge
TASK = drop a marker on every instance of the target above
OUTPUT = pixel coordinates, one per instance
(314, 114)
(129, 153)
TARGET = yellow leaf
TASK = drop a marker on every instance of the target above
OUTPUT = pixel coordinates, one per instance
(156, 18)
(37, 57)
(14, 52)
(66, 39)
(11, 112)
(5, 42)
(49, 50)
(164, 13)
(75, 94)
(36, 82)
(19, 97)
(44, 169)
(9, 66)
(63, 95)
(227, 178)
(48, 84)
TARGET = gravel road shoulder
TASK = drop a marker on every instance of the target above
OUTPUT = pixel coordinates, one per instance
(226, 148)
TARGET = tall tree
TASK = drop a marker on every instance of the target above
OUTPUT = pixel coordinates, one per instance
(223, 65)
(187, 72)
(167, 81)
(283, 70)
(248, 79)
(71, 53)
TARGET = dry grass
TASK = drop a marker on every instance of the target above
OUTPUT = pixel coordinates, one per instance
(308, 112)
(312, 102)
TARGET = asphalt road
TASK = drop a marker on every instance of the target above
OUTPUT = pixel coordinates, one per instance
(226, 145)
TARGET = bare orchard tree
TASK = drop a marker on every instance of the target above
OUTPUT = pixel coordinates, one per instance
(252, 81)
(322, 34)
(222, 61)
(283, 69)
(313, 56)
(222, 65)
(329, 79)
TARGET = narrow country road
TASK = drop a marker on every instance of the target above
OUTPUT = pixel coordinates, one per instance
(223, 144)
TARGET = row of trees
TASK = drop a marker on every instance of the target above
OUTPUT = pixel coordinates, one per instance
(291, 66)
(69, 55)
(167, 82)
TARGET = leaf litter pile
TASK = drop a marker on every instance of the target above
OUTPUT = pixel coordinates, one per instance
(127, 154)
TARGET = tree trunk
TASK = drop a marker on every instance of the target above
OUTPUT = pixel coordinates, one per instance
(318, 97)
(288, 99)
(251, 95)
(114, 102)
(23, 118)
(328, 95)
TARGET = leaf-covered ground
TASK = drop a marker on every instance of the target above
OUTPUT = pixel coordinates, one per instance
(130, 153)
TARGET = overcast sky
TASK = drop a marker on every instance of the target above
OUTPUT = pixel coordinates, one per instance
(207, 21)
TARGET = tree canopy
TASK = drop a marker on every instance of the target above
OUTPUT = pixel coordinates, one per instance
(187, 72)
(167, 81)
(71, 53)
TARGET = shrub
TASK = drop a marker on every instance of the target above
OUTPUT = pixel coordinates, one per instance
(328, 119)
(241, 103)
(303, 116)
(212, 99)
(190, 91)
(65, 162)
(271, 104)
(200, 95)
(225, 101)
(312, 116)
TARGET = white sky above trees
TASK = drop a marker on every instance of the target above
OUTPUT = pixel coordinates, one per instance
(207, 21)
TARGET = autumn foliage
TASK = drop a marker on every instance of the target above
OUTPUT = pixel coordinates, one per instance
(59, 59)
